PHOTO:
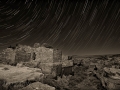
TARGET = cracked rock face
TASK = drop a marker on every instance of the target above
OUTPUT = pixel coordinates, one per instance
(113, 79)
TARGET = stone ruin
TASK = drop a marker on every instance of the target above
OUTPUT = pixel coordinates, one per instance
(49, 58)
(51, 62)
(67, 65)
(8, 56)
(46, 57)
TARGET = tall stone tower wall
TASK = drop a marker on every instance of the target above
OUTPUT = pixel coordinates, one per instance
(57, 55)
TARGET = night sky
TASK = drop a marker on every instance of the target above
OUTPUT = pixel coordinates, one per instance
(74, 26)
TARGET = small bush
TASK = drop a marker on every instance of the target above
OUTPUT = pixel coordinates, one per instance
(5, 68)
(2, 82)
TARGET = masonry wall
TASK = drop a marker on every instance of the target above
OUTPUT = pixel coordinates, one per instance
(22, 57)
(8, 55)
(67, 70)
(49, 59)
(57, 55)
(46, 55)
(37, 53)
(57, 69)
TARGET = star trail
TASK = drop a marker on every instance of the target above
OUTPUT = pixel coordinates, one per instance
(74, 26)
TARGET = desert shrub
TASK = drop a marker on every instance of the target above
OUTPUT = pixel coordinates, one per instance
(80, 69)
(100, 87)
(16, 86)
(2, 82)
(5, 68)
(75, 80)
(74, 88)
(12, 63)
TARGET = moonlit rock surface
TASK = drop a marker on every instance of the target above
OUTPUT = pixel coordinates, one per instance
(19, 74)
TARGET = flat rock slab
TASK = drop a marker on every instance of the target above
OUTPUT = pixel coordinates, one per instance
(13, 74)
(38, 86)
(67, 63)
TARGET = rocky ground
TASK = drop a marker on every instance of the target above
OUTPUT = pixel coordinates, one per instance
(17, 77)
(23, 78)
(89, 74)
(81, 80)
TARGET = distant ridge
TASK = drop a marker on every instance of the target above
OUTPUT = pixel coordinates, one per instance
(82, 56)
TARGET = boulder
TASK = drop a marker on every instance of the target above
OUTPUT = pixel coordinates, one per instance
(113, 81)
(112, 84)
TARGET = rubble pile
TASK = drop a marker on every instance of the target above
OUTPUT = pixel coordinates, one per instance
(108, 78)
